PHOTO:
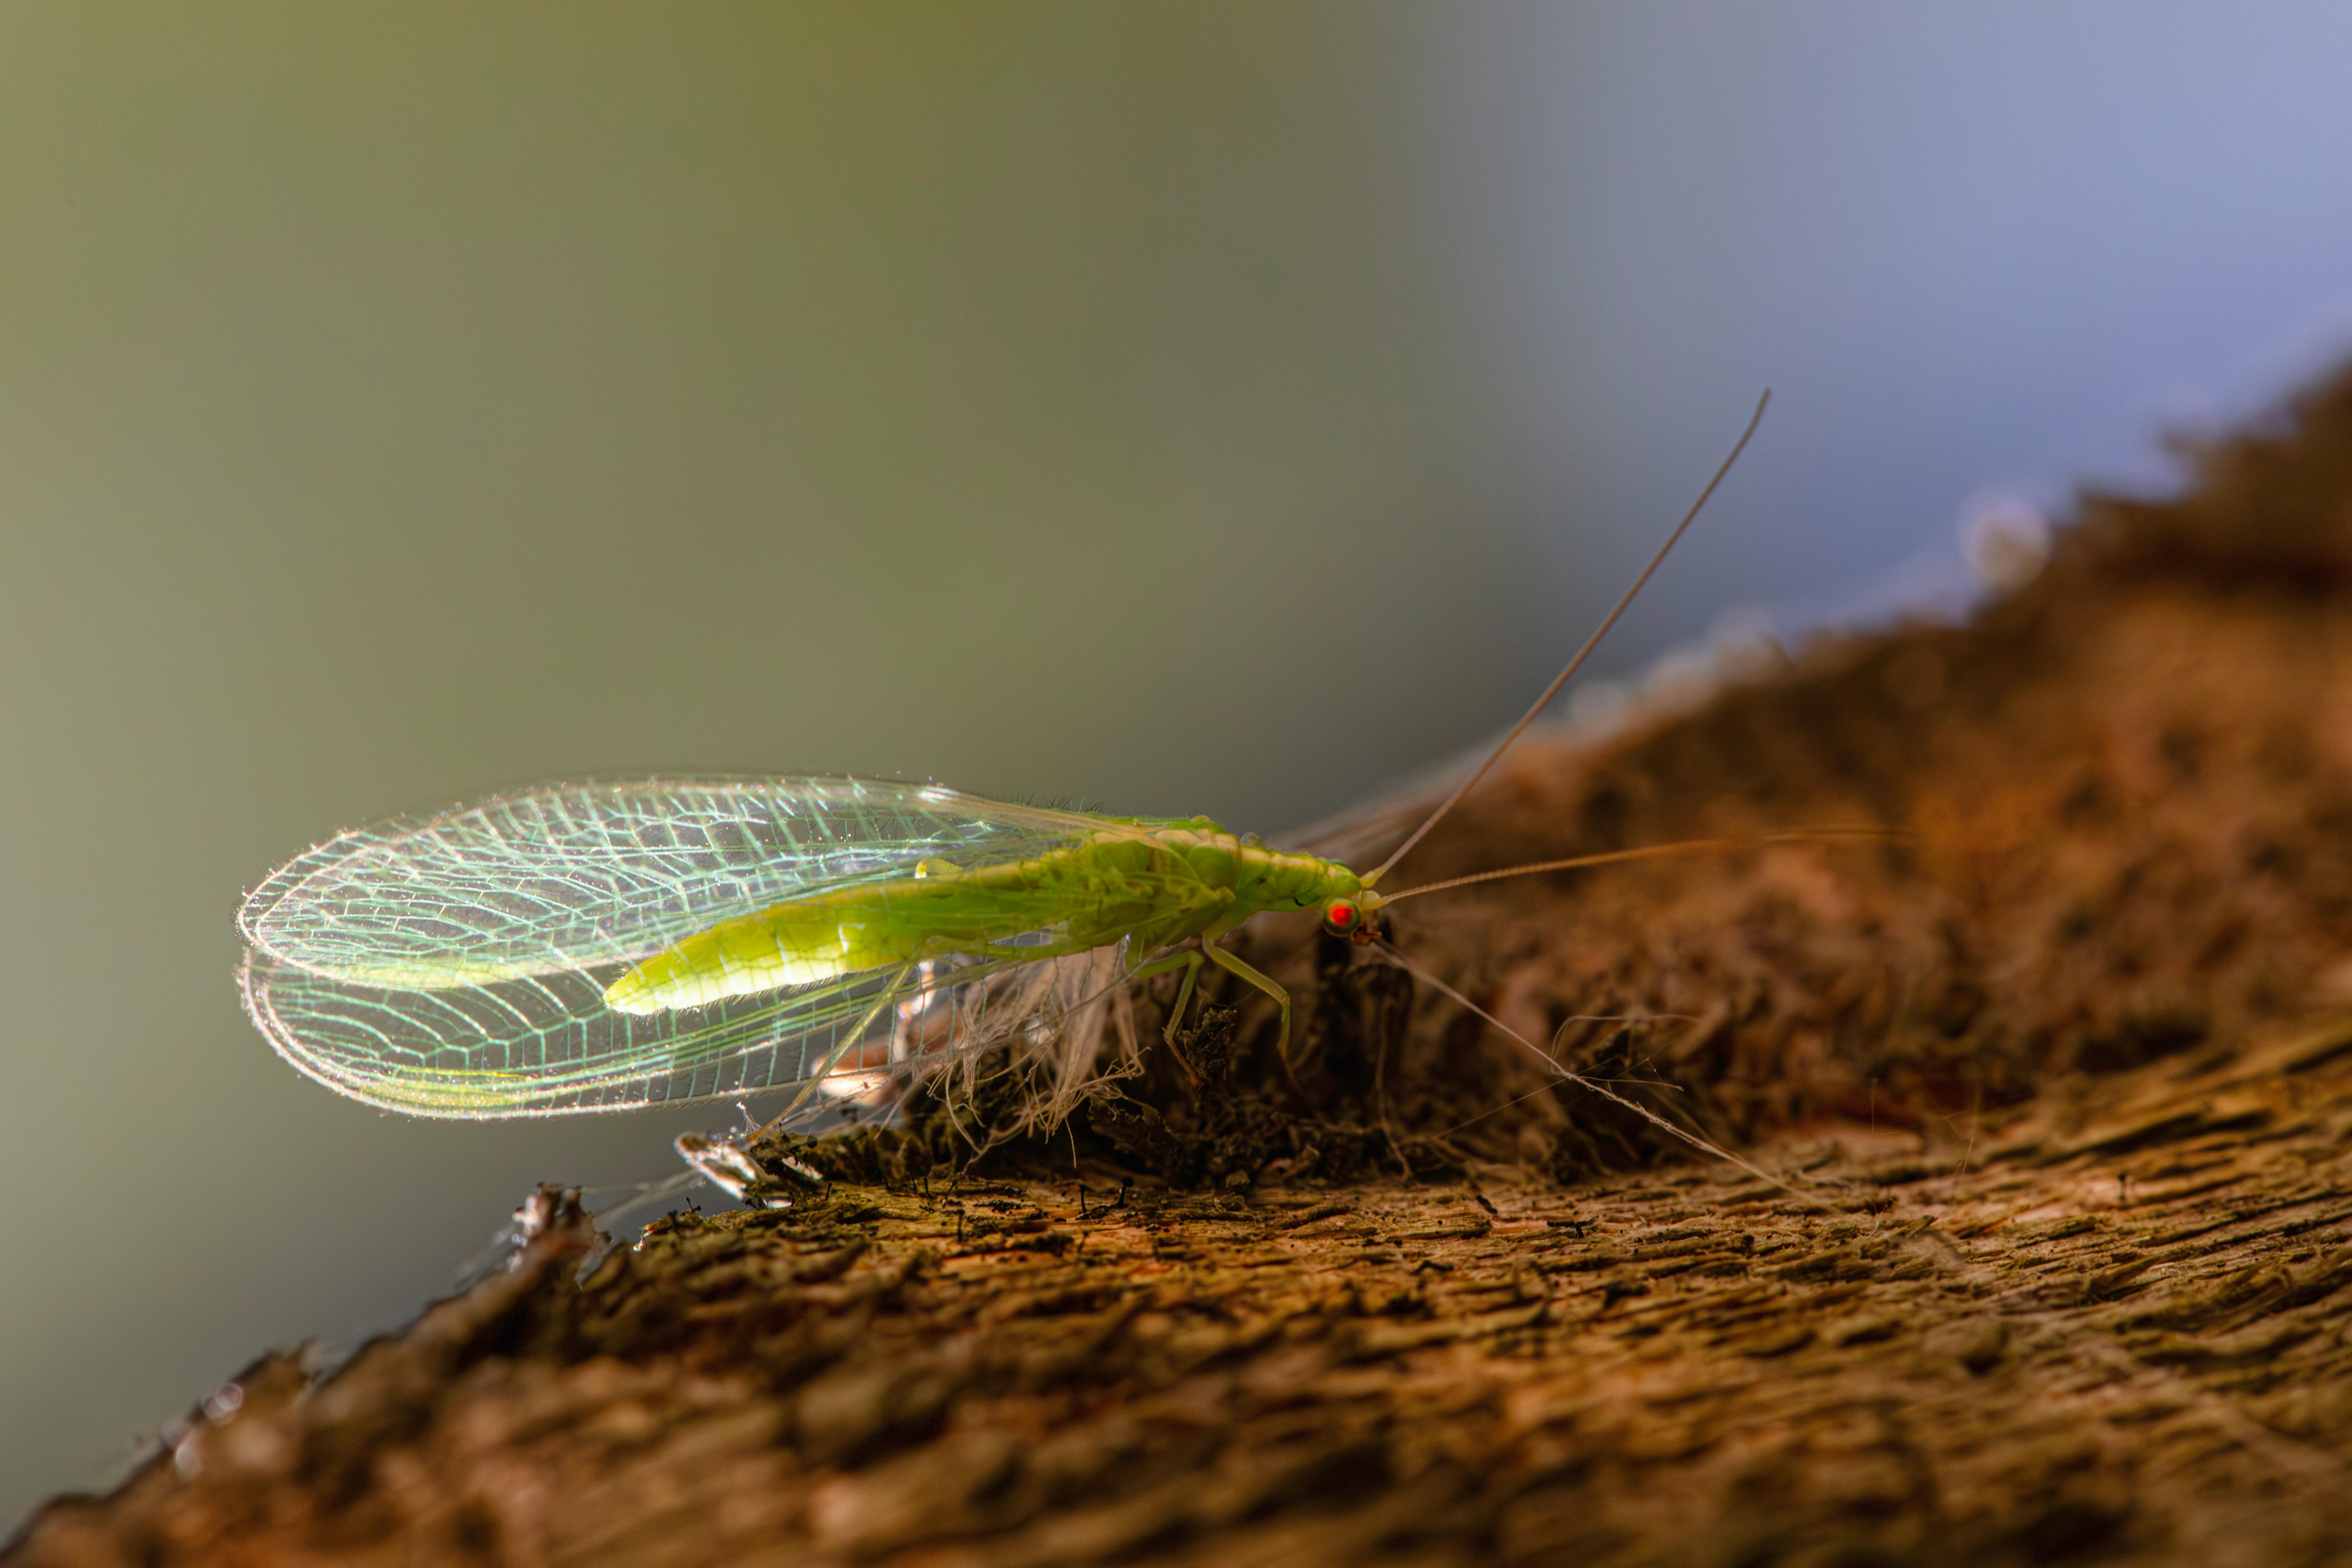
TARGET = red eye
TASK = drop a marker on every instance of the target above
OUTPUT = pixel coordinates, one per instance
(1341, 915)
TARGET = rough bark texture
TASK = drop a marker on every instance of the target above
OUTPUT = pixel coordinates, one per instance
(2061, 1089)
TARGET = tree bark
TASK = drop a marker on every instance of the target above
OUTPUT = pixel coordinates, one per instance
(2048, 1260)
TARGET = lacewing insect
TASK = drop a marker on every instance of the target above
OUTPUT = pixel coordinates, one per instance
(596, 946)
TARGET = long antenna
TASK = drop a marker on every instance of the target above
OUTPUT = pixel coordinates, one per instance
(1581, 654)
(1654, 851)
(1672, 1129)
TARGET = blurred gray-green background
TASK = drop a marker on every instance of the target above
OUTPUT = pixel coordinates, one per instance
(1202, 408)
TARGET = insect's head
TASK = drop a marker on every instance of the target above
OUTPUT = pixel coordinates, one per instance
(1350, 915)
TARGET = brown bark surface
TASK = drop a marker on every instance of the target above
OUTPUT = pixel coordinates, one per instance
(2059, 1090)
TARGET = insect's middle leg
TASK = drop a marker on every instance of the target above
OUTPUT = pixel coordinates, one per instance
(1189, 960)
(1189, 963)
(1267, 984)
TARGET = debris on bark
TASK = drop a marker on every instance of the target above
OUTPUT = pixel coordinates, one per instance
(2059, 1088)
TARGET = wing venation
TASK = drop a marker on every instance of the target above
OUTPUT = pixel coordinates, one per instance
(566, 877)
(456, 964)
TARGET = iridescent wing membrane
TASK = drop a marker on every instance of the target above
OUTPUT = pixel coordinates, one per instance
(455, 964)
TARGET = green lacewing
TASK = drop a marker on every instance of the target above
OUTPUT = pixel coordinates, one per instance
(603, 944)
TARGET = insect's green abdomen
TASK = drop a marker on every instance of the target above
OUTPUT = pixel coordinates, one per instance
(790, 944)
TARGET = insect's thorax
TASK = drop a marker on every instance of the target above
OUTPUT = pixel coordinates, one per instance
(1262, 880)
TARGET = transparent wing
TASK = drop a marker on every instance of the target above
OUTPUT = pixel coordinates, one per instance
(547, 1043)
(553, 879)
(455, 964)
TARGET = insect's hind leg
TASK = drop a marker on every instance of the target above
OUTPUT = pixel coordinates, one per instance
(1271, 987)
(832, 1058)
